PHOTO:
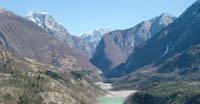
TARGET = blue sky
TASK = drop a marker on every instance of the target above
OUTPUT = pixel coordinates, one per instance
(84, 15)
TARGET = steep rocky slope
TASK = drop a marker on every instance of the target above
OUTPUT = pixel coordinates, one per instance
(183, 63)
(85, 42)
(174, 81)
(26, 81)
(179, 36)
(50, 25)
(174, 75)
(90, 40)
(116, 46)
(24, 38)
(184, 66)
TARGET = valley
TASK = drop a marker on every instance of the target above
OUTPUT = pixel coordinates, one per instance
(153, 61)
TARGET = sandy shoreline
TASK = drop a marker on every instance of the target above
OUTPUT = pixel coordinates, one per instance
(105, 86)
(122, 94)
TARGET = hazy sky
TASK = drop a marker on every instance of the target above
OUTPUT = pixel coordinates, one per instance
(84, 15)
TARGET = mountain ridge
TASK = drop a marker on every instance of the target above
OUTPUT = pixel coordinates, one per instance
(116, 46)
(180, 35)
(86, 43)
(25, 38)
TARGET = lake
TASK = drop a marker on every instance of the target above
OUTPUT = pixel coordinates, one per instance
(113, 97)
(111, 100)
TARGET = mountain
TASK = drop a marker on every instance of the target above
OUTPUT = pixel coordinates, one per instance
(116, 46)
(177, 37)
(174, 81)
(85, 42)
(184, 66)
(183, 63)
(50, 25)
(168, 93)
(25, 38)
(90, 40)
(26, 81)
(173, 75)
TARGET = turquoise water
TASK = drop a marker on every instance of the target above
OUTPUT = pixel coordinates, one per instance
(111, 100)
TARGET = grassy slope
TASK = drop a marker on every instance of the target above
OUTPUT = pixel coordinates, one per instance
(174, 82)
(168, 93)
(25, 81)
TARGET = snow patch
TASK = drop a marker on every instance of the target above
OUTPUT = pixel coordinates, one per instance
(166, 51)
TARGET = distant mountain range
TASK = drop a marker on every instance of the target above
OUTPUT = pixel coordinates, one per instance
(90, 40)
(86, 42)
(116, 46)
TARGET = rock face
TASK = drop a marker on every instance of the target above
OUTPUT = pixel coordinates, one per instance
(179, 36)
(116, 46)
(90, 40)
(85, 42)
(50, 25)
(26, 81)
(25, 38)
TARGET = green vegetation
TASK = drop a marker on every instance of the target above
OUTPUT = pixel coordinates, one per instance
(25, 81)
(168, 93)
(77, 74)
(53, 75)
(176, 81)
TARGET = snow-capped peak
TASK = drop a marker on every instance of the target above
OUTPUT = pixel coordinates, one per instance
(30, 13)
(49, 24)
(45, 20)
(95, 32)
(91, 39)
(95, 35)
(165, 19)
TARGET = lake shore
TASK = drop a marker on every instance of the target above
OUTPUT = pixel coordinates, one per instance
(113, 97)
(123, 94)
